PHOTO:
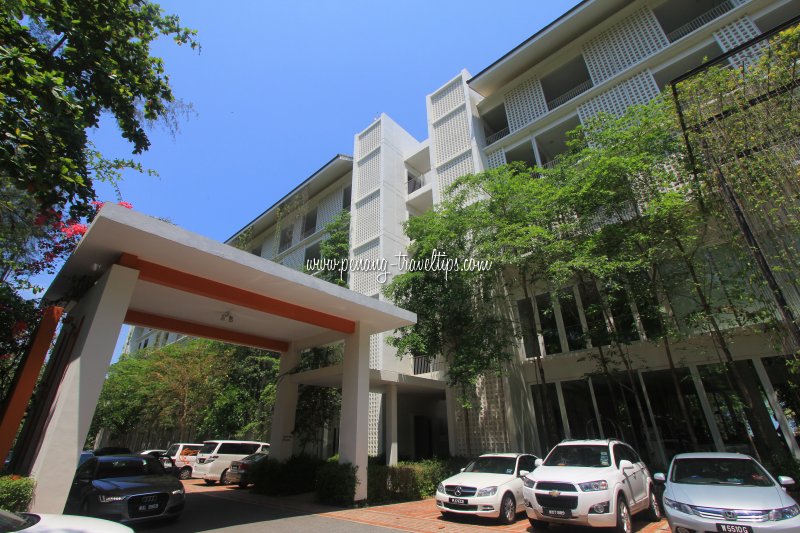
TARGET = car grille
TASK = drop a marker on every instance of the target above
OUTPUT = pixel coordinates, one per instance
(457, 507)
(555, 485)
(557, 502)
(740, 515)
(460, 491)
(147, 504)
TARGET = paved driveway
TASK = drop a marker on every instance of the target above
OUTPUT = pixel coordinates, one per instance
(229, 509)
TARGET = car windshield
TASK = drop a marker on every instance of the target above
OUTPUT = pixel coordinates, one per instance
(492, 465)
(586, 455)
(172, 450)
(16, 522)
(208, 447)
(711, 471)
(127, 467)
(256, 457)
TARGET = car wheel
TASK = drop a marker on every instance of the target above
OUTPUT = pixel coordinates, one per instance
(538, 524)
(623, 517)
(210, 481)
(223, 479)
(186, 473)
(508, 509)
(654, 510)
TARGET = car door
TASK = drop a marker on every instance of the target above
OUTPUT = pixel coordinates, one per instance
(633, 478)
(525, 462)
(641, 474)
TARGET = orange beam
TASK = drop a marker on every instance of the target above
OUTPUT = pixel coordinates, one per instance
(27, 374)
(183, 281)
(139, 318)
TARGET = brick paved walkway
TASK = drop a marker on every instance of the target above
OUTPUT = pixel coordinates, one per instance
(421, 516)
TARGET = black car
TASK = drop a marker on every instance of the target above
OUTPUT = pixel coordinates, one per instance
(125, 488)
(239, 471)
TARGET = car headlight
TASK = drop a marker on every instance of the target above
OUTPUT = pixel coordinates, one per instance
(528, 482)
(486, 491)
(440, 488)
(178, 491)
(785, 513)
(102, 498)
(678, 506)
(593, 486)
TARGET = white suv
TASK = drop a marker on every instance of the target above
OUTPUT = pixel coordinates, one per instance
(216, 456)
(598, 483)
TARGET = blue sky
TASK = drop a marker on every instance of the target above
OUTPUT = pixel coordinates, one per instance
(281, 87)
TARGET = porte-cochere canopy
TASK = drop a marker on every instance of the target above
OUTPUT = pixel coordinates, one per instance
(131, 268)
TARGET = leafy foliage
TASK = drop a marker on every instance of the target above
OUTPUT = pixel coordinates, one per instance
(16, 493)
(336, 483)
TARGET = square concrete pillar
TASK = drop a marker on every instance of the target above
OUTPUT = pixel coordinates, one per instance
(391, 424)
(100, 313)
(281, 442)
(354, 421)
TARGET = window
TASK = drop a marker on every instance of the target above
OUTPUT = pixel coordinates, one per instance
(593, 311)
(572, 320)
(547, 318)
(312, 253)
(286, 238)
(237, 448)
(527, 462)
(528, 327)
(346, 197)
(310, 223)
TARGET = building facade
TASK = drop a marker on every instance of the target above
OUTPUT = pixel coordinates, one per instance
(601, 56)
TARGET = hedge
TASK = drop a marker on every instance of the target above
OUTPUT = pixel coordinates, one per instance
(336, 483)
(16, 493)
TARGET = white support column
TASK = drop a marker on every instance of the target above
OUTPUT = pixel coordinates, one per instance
(657, 433)
(563, 408)
(596, 410)
(391, 424)
(283, 414)
(354, 424)
(780, 416)
(450, 402)
(100, 312)
(711, 420)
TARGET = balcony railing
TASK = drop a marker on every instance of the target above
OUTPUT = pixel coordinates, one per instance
(415, 183)
(569, 95)
(700, 21)
(423, 365)
(494, 137)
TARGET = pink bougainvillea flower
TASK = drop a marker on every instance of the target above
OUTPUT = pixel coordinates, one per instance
(126, 205)
(74, 230)
(40, 220)
(98, 205)
(19, 327)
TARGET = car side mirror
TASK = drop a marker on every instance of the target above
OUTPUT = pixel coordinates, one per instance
(538, 462)
(523, 473)
(785, 481)
(660, 477)
(625, 465)
(461, 470)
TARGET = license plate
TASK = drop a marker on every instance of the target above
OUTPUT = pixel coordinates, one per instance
(557, 513)
(148, 507)
(460, 501)
(734, 528)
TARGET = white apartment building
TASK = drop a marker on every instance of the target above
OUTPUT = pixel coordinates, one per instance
(602, 55)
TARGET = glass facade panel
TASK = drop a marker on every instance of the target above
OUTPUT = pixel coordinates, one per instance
(548, 419)
(787, 388)
(593, 311)
(580, 410)
(528, 328)
(572, 320)
(547, 319)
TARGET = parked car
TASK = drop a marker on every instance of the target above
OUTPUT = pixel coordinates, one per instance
(85, 456)
(111, 450)
(152, 453)
(215, 457)
(56, 523)
(728, 493)
(240, 471)
(183, 456)
(125, 488)
(490, 486)
(598, 483)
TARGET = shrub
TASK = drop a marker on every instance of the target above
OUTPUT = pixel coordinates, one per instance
(405, 481)
(336, 483)
(16, 493)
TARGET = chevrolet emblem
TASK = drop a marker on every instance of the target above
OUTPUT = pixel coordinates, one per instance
(555, 493)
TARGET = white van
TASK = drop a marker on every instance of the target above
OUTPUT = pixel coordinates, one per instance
(215, 458)
(183, 455)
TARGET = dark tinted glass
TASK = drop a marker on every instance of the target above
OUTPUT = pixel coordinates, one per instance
(745, 472)
(128, 466)
(492, 465)
(596, 456)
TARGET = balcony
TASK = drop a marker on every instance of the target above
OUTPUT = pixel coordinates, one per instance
(495, 123)
(679, 18)
(569, 95)
(494, 137)
(423, 365)
(415, 183)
